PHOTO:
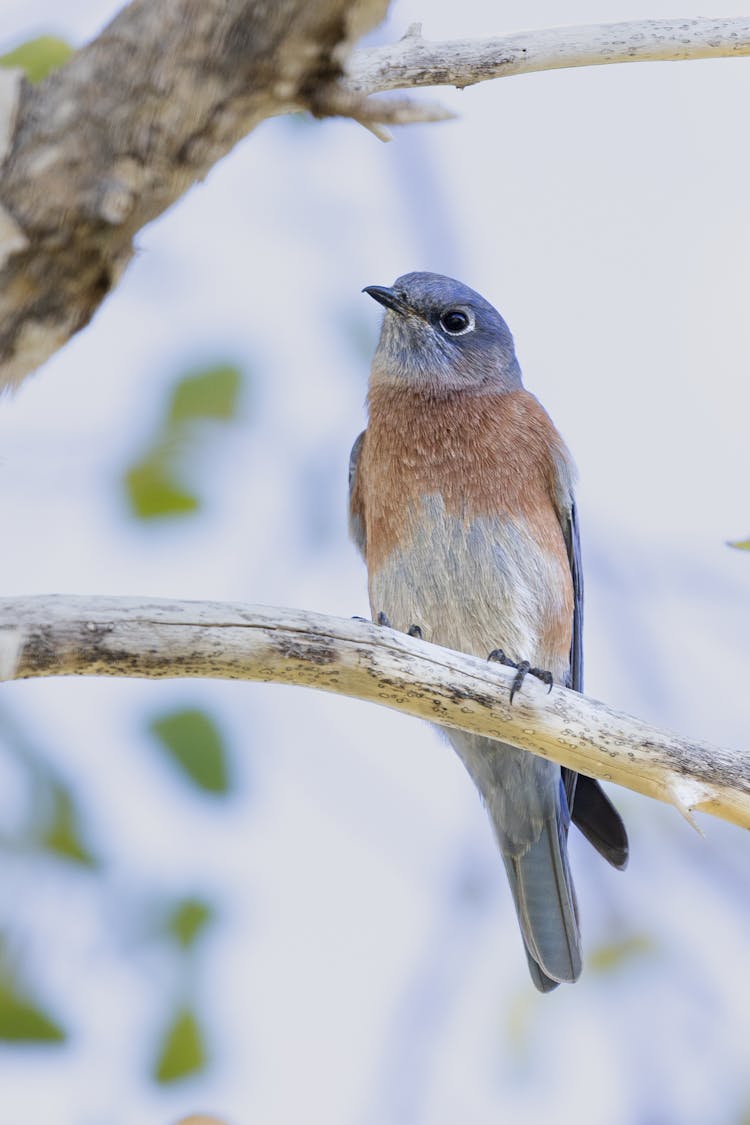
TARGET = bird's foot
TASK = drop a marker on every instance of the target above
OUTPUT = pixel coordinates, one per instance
(523, 669)
(412, 631)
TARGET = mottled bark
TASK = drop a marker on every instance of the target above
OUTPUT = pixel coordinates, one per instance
(417, 62)
(113, 138)
(81, 636)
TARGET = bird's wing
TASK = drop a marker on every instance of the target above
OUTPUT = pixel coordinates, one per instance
(592, 811)
(573, 545)
(356, 502)
(569, 523)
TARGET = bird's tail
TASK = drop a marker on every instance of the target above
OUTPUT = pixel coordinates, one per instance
(528, 806)
(545, 902)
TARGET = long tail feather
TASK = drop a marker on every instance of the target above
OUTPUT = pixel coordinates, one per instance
(545, 903)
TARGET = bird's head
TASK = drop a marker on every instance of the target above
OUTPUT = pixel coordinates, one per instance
(440, 336)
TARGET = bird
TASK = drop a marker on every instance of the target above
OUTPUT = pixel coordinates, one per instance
(461, 501)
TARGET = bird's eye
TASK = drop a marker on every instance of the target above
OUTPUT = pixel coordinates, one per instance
(456, 321)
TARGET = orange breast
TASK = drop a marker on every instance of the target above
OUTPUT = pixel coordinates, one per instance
(484, 454)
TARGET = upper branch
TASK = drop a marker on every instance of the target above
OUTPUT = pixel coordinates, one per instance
(110, 140)
(416, 62)
(64, 636)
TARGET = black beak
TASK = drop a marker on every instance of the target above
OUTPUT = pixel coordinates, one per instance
(387, 297)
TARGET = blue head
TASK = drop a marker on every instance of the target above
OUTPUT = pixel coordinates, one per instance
(438, 335)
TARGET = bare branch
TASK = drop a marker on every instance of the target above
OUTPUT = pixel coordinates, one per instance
(416, 62)
(77, 636)
(110, 140)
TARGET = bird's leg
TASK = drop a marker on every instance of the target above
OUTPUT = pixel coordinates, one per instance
(523, 669)
(382, 619)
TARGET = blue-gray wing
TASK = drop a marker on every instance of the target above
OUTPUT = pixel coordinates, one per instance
(573, 545)
(592, 811)
(356, 505)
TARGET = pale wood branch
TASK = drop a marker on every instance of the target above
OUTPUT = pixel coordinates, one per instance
(81, 636)
(416, 62)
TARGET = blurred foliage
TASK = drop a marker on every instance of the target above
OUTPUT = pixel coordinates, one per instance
(61, 830)
(154, 484)
(206, 394)
(741, 544)
(38, 57)
(182, 1051)
(612, 956)
(187, 921)
(194, 743)
(50, 822)
(22, 1020)
(54, 822)
(152, 490)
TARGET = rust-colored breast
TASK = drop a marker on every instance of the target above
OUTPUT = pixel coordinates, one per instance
(484, 454)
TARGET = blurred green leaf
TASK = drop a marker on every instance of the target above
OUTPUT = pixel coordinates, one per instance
(195, 744)
(154, 484)
(612, 956)
(206, 394)
(61, 832)
(153, 494)
(182, 1051)
(188, 920)
(741, 544)
(38, 57)
(23, 1021)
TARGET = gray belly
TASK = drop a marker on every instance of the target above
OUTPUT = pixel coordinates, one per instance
(472, 585)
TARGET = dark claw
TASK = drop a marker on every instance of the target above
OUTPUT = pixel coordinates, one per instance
(543, 675)
(365, 619)
(523, 670)
(414, 631)
(383, 620)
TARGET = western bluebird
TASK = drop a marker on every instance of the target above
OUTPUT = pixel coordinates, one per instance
(461, 501)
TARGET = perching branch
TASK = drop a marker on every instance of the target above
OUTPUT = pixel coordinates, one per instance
(156, 638)
(416, 62)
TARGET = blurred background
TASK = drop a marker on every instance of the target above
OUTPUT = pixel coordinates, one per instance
(248, 898)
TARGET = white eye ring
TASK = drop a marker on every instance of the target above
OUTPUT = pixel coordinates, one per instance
(457, 314)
